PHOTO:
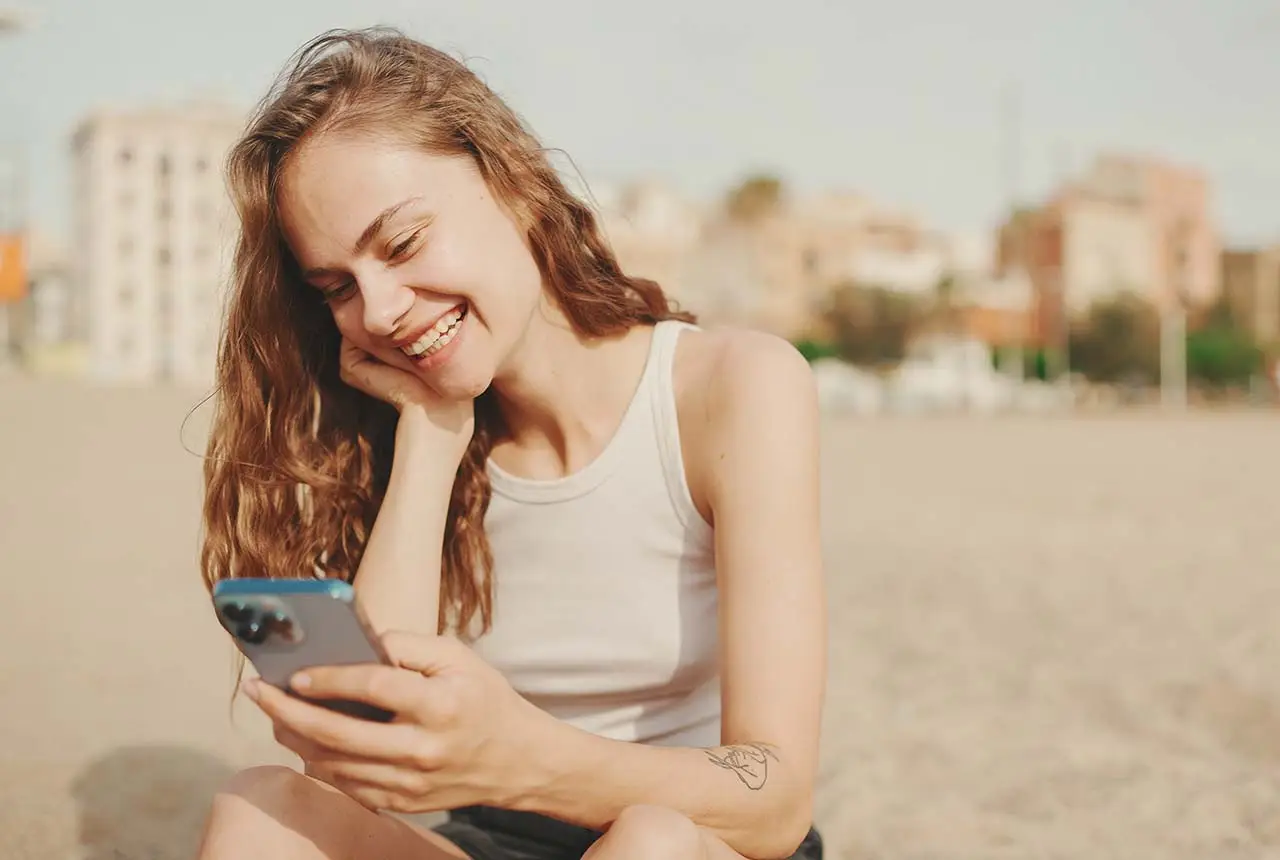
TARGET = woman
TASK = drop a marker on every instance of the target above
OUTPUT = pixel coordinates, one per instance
(588, 529)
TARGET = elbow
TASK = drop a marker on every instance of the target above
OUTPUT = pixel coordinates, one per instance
(780, 835)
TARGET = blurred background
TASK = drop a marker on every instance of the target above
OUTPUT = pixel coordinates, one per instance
(1032, 251)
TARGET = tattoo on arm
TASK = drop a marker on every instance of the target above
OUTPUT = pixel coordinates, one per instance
(749, 761)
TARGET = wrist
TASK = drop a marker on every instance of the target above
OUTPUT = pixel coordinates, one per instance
(552, 748)
(419, 435)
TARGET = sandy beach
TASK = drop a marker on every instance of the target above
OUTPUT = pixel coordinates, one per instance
(1051, 637)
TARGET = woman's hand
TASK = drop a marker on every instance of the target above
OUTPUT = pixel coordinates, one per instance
(461, 736)
(411, 397)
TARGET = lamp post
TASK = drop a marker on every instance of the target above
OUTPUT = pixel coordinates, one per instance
(12, 21)
(1173, 328)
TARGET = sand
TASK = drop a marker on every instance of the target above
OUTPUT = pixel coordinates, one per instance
(1051, 637)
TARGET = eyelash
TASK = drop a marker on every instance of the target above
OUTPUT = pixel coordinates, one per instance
(339, 292)
(403, 248)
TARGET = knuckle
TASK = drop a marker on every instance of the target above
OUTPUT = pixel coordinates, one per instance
(381, 684)
(448, 708)
(427, 757)
(417, 783)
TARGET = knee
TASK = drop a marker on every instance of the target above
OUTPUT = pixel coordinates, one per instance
(644, 832)
(265, 783)
(273, 789)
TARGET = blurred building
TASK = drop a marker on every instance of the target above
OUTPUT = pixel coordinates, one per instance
(1251, 287)
(46, 335)
(1129, 224)
(653, 230)
(13, 251)
(767, 260)
(153, 233)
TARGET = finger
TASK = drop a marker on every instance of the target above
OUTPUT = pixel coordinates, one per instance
(332, 730)
(371, 797)
(304, 749)
(388, 687)
(385, 777)
(427, 655)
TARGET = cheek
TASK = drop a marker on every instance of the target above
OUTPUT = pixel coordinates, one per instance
(350, 322)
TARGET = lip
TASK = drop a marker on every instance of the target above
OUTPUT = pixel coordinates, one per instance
(414, 335)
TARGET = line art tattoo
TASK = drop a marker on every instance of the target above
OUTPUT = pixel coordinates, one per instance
(749, 761)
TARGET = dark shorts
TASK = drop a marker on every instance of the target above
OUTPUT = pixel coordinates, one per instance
(486, 833)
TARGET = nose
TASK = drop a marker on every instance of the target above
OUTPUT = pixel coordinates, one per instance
(385, 303)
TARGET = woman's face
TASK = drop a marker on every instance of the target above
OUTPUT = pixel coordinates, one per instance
(421, 265)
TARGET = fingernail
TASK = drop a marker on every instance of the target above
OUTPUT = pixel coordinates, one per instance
(300, 681)
(249, 687)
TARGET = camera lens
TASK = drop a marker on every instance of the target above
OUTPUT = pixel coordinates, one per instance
(254, 632)
(236, 611)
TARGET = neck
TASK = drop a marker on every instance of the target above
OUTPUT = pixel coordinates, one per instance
(565, 393)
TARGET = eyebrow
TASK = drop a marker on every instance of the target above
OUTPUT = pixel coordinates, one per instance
(374, 228)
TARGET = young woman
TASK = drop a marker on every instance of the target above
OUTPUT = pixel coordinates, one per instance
(588, 529)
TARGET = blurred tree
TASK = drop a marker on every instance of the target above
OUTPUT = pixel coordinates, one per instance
(946, 313)
(1118, 341)
(1220, 352)
(755, 198)
(870, 325)
(812, 350)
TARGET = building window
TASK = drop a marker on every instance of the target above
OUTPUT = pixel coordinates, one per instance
(164, 165)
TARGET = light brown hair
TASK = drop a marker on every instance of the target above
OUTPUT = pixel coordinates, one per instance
(298, 462)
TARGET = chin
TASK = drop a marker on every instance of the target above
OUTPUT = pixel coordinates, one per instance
(459, 385)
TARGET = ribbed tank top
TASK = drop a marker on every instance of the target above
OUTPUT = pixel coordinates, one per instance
(605, 595)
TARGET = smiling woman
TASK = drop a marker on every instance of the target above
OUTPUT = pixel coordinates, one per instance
(586, 528)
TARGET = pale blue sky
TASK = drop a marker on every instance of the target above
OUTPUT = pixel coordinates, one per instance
(897, 99)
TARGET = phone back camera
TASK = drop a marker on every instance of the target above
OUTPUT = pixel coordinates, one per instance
(254, 632)
(236, 612)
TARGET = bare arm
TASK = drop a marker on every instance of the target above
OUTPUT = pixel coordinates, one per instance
(398, 582)
(755, 793)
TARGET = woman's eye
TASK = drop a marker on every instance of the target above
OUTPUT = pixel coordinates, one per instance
(339, 292)
(403, 248)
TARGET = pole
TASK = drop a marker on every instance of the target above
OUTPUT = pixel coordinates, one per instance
(1173, 330)
(11, 21)
(1011, 109)
(1173, 357)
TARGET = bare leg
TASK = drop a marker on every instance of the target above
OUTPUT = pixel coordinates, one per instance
(279, 813)
(658, 833)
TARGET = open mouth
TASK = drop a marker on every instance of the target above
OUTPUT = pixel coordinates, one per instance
(439, 336)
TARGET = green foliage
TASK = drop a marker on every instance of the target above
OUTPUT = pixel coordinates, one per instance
(1036, 363)
(812, 350)
(756, 197)
(871, 325)
(1118, 341)
(1221, 356)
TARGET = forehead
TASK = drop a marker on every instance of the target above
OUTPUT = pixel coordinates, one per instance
(334, 185)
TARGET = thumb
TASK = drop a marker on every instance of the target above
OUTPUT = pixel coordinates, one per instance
(429, 655)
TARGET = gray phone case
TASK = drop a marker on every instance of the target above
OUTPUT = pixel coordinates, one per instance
(300, 629)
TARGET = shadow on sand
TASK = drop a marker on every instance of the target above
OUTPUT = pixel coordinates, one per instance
(146, 802)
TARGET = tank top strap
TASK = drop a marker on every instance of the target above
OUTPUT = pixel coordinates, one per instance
(666, 422)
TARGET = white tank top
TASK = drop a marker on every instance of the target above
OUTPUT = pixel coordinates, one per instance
(605, 602)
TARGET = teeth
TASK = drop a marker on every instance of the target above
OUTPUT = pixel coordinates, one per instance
(436, 339)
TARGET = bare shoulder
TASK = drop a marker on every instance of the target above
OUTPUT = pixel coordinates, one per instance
(737, 370)
(738, 390)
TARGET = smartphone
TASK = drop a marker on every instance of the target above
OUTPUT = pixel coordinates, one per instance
(285, 625)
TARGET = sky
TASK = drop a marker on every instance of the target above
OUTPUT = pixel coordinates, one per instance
(905, 101)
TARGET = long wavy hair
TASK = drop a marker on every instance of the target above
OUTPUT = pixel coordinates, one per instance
(298, 462)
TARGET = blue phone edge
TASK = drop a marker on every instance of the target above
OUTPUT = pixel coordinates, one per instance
(250, 586)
